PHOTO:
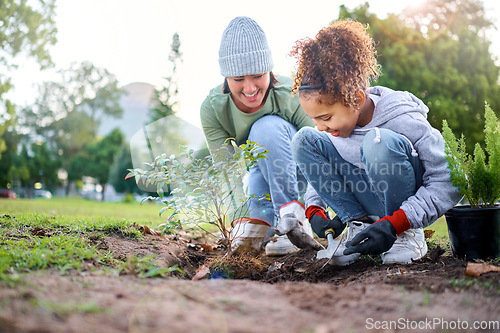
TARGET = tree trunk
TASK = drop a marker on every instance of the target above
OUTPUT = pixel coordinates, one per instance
(103, 188)
(67, 188)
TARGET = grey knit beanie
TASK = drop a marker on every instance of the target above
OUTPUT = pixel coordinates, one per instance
(244, 49)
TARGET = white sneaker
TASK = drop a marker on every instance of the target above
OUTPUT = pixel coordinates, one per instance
(247, 235)
(338, 258)
(409, 246)
(280, 246)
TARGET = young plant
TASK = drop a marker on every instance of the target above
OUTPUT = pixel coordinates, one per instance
(476, 177)
(206, 191)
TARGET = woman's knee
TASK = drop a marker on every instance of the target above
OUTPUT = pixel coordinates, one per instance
(268, 126)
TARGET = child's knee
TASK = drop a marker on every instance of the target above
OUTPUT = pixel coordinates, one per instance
(381, 144)
(302, 140)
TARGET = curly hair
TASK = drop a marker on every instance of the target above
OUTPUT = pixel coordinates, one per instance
(337, 63)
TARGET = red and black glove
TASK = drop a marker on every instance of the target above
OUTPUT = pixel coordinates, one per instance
(379, 237)
(320, 223)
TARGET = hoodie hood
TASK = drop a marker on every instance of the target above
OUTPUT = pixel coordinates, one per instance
(393, 110)
(391, 104)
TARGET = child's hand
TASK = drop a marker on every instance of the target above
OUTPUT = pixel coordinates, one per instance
(375, 239)
(380, 236)
(321, 223)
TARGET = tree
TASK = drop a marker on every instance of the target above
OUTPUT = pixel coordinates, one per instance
(44, 165)
(101, 155)
(440, 53)
(27, 30)
(66, 114)
(7, 119)
(19, 171)
(93, 90)
(11, 139)
(162, 133)
(165, 99)
(38, 163)
(81, 88)
(119, 170)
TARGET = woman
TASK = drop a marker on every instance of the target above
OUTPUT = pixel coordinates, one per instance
(254, 104)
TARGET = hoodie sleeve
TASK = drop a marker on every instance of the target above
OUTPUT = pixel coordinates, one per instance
(312, 198)
(437, 195)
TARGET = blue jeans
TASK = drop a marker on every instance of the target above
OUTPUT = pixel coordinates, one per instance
(391, 174)
(277, 174)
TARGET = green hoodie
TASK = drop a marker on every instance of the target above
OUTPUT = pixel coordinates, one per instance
(221, 119)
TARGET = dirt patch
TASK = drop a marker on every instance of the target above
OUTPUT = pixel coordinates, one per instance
(294, 293)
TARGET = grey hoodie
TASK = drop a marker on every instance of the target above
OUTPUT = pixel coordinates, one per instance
(405, 114)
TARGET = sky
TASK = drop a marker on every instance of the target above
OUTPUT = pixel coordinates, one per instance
(132, 39)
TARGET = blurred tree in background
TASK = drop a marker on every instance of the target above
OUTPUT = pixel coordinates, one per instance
(122, 163)
(438, 50)
(101, 155)
(67, 112)
(26, 30)
(165, 98)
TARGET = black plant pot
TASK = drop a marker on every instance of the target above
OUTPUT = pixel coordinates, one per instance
(474, 232)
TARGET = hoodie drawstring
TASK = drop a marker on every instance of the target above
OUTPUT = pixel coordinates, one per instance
(377, 135)
(377, 140)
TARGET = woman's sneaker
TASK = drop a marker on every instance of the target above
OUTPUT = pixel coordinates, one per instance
(409, 246)
(338, 258)
(280, 246)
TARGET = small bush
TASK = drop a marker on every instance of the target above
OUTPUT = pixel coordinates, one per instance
(476, 177)
(205, 191)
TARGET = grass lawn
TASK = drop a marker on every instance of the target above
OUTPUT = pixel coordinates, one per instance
(146, 213)
(72, 225)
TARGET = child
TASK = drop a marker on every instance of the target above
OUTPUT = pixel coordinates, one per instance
(254, 104)
(374, 158)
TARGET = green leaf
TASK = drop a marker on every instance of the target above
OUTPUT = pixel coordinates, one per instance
(162, 210)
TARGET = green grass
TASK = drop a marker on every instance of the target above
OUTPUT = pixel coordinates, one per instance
(58, 234)
(440, 228)
(76, 207)
(59, 251)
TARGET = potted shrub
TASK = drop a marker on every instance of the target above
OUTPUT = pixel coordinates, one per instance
(474, 228)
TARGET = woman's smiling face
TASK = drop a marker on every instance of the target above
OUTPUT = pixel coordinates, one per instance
(248, 92)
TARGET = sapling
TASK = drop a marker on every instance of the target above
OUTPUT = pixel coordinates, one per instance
(205, 191)
(477, 177)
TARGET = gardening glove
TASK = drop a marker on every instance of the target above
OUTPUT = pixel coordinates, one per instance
(300, 238)
(380, 236)
(298, 232)
(320, 223)
(287, 223)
